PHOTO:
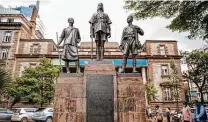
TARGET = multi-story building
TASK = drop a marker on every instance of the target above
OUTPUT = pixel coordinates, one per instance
(27, 12)
(13, 27)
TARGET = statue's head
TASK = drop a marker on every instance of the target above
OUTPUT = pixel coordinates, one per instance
(71, 21)
(100, 7)
(130, 18)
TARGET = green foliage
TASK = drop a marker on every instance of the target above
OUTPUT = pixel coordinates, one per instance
(197, 61)
(176, 80)
(188, 16)
(36, 85)
(5, 80)
(151, 92)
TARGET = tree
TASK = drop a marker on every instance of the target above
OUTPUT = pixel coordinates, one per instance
(176, 80)
(197, 61)
(36, 85)
(187, 16)
(5, 79)
(151, 92)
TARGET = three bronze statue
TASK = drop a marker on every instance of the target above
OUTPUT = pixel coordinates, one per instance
(100, 31)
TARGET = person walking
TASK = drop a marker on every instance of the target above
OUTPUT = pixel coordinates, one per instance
(186, 113)
(200, 112)
(149, 112)
(168, 114)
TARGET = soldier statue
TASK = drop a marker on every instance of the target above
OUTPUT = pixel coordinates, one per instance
(130, 43)
(100, 30)
(71, 38)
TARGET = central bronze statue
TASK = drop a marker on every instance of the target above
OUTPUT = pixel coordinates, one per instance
(130, 43)
(100, 30)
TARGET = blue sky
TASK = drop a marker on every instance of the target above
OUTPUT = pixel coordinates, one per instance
(54, 14)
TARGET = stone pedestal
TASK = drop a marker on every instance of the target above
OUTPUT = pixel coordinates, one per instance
(99, 95)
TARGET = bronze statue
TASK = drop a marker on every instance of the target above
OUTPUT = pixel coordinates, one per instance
(100, 30)
(130, 43)
(71, 37)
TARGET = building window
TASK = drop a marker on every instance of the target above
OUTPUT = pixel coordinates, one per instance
(35, 49)
(4, 53)
(167, 94)
(162, 50)
(8, 36)
(164, 70)
(10, 20)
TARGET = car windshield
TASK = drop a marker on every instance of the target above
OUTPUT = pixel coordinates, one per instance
(17, 110)
(39, 109)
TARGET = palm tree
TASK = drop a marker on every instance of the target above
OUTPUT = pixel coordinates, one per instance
(151, 92)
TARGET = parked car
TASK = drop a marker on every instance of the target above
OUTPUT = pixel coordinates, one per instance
(5, 114)
(23, 114)
(43, 114)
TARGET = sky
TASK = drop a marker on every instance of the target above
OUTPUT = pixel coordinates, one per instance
(54, 15)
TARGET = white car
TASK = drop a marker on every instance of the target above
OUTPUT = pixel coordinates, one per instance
(43, 115)
(23, 114)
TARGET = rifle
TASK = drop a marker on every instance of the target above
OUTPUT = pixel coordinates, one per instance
(58, 50)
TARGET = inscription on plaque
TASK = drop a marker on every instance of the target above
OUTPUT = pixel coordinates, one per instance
(100, 102)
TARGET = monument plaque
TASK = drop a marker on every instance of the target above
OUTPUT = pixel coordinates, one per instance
(100, 98)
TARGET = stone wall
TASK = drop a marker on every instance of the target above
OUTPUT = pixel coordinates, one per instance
(131, 98)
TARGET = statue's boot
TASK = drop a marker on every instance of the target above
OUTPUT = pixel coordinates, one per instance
(134, 66)
(123, 66)
(78, 67)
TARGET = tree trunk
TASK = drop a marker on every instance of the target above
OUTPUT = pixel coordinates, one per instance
(202, 97)
(41, 104)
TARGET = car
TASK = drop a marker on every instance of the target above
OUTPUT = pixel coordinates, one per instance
(23, 114)
(5, 114)
(43, 114)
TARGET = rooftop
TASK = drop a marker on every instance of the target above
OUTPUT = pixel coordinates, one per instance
(8, 11)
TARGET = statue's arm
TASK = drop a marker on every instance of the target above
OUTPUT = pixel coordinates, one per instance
(78, 36)
(61, 38)
(139, 30)
(122, 39)
(91, 25)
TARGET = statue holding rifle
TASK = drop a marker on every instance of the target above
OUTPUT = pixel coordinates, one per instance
(100, 30)
(71, 38)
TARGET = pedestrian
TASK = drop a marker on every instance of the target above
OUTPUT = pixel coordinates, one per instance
(158, 109)
(168, 114)
(200, 112)
(149, 112)
(186, 113)
(159, 117)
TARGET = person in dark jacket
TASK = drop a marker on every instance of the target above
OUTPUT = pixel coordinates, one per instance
(200, 112)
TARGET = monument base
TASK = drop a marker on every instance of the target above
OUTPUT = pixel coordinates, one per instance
(99, 95)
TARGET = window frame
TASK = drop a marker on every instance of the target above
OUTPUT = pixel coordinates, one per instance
(5, 37)
(167, 94)
(164, 53)
(2, 52)
(10, 19)
(162, 73)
